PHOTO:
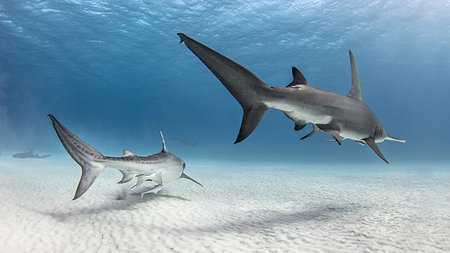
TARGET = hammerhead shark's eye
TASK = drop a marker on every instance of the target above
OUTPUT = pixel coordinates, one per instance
(184, 165)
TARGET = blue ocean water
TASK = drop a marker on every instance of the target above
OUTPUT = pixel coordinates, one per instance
(114, 73)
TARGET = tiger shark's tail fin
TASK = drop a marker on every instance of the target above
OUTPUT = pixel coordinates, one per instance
(245, 87)
(89, 159)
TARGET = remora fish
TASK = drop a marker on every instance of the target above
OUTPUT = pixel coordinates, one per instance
(342, 117)
(160, 168)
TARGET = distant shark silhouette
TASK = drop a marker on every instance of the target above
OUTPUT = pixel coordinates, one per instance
(186, 141)
(29, 154)
(160, 168)
(342, 117)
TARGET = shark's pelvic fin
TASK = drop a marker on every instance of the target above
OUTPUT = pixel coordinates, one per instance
(164, 149)
(299, 126)
(127, 153)
(299, 78)
(189, 178)
(314, 131)
(86, 156)
(126, 177)
(335, 135)
(355, 91)
(371, 142)
(245, 87)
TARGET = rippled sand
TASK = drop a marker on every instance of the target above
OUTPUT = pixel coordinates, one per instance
(309, 208)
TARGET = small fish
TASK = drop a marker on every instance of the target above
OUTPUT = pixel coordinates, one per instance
(160, 168)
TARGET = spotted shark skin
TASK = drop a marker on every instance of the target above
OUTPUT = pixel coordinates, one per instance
(160, 168)
(342, 117)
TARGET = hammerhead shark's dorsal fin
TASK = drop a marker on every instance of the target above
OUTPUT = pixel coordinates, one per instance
(299, 78)
(355, 91)
(164, 149)
(371, 142)
(189, 178)
(127, 153)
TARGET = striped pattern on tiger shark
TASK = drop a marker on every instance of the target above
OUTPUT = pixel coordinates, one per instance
(342, 117)
(160, 168)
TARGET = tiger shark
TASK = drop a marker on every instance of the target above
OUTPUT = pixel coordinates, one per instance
(160, 168)
(342, 117)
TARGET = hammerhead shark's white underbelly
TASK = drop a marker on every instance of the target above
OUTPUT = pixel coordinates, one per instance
(303, 113)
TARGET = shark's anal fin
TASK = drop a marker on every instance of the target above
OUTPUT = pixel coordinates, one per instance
(371, 142)
(314, 131)
(355, 91)
(126, 177)
(250, 120)
(299, 78)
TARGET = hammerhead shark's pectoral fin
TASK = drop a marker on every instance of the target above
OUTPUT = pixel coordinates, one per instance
(371, 142)
(314, 131)
(126, 177)
(189, 178)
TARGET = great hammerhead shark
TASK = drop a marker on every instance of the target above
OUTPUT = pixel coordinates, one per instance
(159, 168)
(342, 117)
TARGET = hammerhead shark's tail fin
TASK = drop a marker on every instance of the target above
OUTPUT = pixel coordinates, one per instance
(245, 87)
(86, 156)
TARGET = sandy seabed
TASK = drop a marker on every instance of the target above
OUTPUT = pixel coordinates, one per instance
(250, 209)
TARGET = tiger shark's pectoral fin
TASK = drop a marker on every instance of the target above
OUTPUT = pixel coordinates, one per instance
(189, 178)
(371, 142)
(126, 177)
(314, 131)
(155, 177)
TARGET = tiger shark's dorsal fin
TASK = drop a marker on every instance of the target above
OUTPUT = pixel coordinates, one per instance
(127, 153)
(355, 91)
(164, 149)
(299, 78)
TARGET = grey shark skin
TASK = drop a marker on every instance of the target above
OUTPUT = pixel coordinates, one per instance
(160, 168)
(342, 117)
